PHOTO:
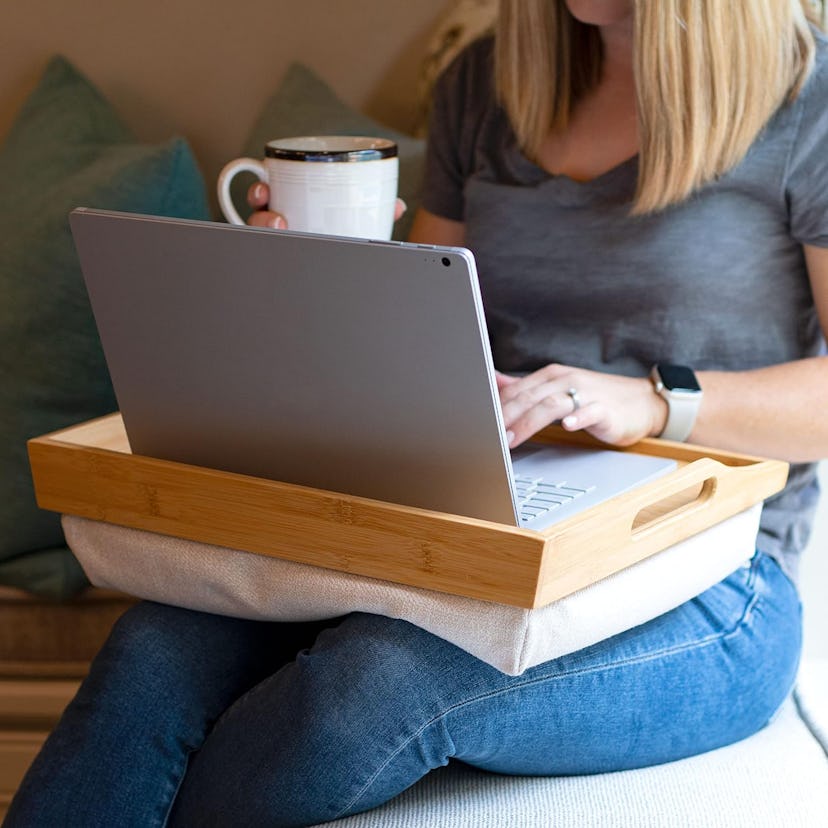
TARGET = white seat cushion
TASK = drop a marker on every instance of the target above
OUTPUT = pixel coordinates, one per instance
(776, 778)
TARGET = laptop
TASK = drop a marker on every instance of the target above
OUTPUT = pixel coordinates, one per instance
(356, 366)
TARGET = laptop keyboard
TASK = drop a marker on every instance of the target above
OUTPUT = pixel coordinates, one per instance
(537, 496)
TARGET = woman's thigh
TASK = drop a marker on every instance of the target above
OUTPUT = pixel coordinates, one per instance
(707, 674)
(376, 703)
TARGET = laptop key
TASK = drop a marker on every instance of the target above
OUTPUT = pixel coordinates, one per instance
(538, 503)
(566, 491)
(550, 499)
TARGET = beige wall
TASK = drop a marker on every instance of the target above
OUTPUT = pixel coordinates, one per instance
(203, 68)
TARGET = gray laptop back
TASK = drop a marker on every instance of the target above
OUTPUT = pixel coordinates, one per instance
(354, 366)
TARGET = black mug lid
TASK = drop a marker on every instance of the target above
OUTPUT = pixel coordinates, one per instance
(331, 148)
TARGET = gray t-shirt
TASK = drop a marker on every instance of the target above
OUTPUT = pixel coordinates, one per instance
(567, 275)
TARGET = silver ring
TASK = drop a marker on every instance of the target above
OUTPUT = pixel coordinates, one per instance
(573, 395)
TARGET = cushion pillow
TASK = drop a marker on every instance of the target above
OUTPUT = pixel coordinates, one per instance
(67, 148)
(512, 639)
(305, 105)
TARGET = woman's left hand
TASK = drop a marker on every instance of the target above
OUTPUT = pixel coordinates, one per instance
(617, 410)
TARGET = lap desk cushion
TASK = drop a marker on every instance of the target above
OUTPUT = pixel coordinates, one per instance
(512, 639)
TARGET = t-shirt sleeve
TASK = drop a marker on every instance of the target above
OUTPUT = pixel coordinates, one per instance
(807, 178)
(459, 96)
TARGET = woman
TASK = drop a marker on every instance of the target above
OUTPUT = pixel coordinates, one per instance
(652, 189)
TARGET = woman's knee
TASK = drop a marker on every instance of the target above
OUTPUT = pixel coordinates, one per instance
(191, 658)
(350, 723)
(151, 636)
(377, 688)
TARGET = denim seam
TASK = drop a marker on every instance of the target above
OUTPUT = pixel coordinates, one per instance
(697, 644)
(166, 820)
(241, 702)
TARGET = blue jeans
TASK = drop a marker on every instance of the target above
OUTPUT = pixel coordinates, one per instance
(193, 719)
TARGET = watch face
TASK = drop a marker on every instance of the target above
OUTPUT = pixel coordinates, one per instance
(678, 378)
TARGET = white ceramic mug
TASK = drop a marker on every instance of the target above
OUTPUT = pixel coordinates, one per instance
(333, 184)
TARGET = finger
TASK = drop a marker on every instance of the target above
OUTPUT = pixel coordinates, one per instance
(399, 209)
(549, 379)
(518, 399)
(597, 419)
(265, 218)
(258, 195)
(504, 380)
(586, 416)
(523, 390)
(548, 410)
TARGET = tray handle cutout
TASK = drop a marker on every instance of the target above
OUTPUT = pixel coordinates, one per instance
(692, 490)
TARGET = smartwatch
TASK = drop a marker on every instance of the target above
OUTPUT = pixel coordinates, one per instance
(678, 385)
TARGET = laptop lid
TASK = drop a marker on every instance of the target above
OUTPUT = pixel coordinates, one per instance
(349, 365)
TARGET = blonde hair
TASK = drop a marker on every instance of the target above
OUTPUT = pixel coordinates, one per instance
(709, 74)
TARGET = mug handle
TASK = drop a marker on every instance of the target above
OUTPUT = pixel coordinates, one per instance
(225, 178)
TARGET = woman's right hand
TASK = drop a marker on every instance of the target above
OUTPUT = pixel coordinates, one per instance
(258, 197)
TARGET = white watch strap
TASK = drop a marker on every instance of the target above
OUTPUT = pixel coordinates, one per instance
(682, 409)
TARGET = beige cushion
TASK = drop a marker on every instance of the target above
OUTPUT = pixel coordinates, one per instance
(230, 582)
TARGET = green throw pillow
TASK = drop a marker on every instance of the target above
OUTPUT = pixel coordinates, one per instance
(67, 148)
(305, 105)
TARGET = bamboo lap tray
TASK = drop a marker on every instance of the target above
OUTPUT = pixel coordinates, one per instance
(88, 470)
